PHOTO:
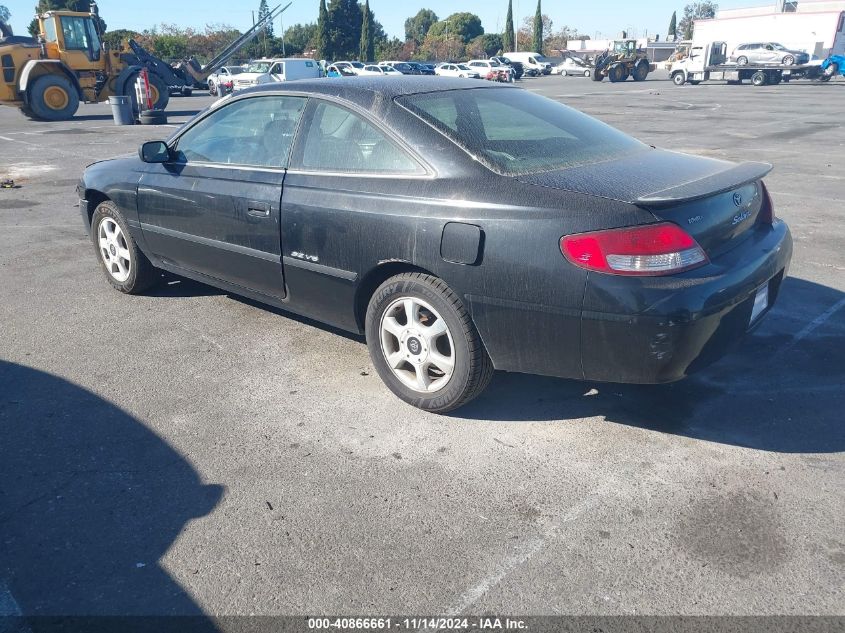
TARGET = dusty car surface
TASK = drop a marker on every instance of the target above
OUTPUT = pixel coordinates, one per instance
(460, 226)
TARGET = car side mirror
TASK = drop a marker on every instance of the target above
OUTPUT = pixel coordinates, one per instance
(154, 152)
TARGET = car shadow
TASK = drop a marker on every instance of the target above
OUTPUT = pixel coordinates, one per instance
(90, 501)
(775, 392)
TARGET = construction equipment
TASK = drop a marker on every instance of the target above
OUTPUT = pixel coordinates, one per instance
(624, 60)
(68, 62)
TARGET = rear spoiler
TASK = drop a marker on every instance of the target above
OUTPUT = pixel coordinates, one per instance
(708, 186)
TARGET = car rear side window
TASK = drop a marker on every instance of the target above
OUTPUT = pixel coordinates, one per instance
(338, 140)
(256, 132)
(514, 132)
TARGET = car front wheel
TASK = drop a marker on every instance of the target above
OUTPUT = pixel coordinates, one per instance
(127, 268)
(424, 345)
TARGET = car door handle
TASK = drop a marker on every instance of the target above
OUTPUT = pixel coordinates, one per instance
(258, 209)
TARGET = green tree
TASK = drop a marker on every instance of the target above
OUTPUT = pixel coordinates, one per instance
(367, 49)
(389, 49)
(345, 17)
(171, 47)
(416, 27)
(673, 26)
(322, 42)
(509, 37)
(485, 45)
(300, 38)
(696, 11)
(263, 12)
(537, 40)
(5, 14)
(463, 26)
(115, 39)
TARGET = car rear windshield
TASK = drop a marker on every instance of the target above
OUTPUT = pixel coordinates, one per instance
(514, 131)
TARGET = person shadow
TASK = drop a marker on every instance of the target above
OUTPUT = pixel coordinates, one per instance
(90, 501)
(780, 390)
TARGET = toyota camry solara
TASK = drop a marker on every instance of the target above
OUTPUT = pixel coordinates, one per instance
(461, 227)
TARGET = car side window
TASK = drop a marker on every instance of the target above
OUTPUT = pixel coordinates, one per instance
(337, 140)
(254, 132)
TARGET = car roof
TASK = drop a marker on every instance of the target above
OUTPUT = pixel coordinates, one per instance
(360, 90)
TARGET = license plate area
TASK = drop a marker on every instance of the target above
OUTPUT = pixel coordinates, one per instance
(761, 303)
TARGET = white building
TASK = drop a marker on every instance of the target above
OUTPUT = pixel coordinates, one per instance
(814, 26)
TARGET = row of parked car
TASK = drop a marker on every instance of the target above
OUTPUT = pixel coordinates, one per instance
(505, 68)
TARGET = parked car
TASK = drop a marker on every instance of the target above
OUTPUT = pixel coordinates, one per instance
(463, 243)
(403, 67)
(223, 78)
(338, 70)
(353, 66)
(423, 69)
(263, 71)
(518, 68)
(572, 66)
(455, 70)
(767, 53)
(380, 70)
(485, 66)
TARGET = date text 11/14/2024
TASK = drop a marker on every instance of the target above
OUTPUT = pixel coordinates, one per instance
(416, 624)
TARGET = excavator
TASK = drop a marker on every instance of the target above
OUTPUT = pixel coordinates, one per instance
(68, 63)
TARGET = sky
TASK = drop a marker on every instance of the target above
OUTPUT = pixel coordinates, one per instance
(603, 19)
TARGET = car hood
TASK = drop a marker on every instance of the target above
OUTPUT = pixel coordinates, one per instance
(650, 177)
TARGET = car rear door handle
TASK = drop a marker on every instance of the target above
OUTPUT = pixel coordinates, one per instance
(258, 209)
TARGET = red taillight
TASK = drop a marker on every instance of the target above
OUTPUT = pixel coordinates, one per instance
(651, 249)
(767, 210)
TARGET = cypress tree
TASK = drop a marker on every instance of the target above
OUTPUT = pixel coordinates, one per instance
(538, 30)
(508, 38)
(322, 40)
(673, 25)
(367, 52)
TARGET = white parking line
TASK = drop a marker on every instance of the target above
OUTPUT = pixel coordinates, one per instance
(510, 563)
(818, 321)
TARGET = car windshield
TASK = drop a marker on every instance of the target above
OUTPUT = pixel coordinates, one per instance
(357, 64)
(779, 47)
(516, 132)
(259, 67)
(463, 67)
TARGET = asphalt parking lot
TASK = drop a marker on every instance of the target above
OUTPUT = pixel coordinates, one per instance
(192, 452)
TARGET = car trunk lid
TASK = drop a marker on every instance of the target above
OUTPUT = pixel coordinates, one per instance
(716, 202)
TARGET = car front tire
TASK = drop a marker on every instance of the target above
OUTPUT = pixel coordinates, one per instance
(424, 344)
(127, 269)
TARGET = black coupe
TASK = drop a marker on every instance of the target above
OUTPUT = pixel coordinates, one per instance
(461, 226)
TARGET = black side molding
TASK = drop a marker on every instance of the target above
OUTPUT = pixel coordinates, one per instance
(707, 186)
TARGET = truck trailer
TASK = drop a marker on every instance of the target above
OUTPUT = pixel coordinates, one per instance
(709, 62)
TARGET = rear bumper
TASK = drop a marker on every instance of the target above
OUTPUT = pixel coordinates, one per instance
(661, 329)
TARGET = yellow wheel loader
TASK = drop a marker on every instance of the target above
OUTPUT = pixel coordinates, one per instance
(625, 60)
(68, 62)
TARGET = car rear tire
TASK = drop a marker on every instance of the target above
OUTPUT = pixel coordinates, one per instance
(424, 344)
(127, 269)
(742, 60)
(53, 98)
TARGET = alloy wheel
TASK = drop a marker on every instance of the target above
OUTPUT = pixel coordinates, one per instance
(417, 344)
(114, 250)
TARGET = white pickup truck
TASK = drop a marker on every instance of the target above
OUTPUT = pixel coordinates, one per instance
(265, 71)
